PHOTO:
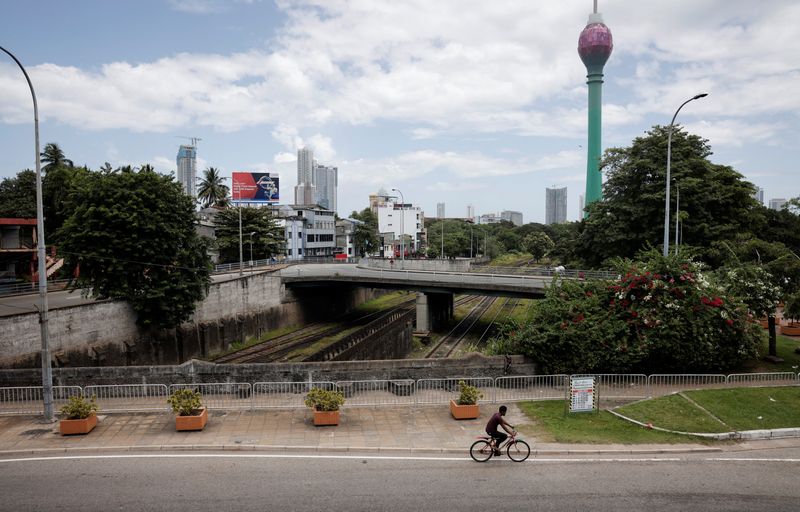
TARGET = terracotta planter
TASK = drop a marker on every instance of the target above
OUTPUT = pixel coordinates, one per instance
(81, 426)
(790, 330)
(198, 422)
(464, 412)
(322, 418)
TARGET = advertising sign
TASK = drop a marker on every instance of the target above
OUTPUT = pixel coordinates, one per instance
(255, 187)
(581, 394)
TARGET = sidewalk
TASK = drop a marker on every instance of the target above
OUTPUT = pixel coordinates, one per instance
(400, 430)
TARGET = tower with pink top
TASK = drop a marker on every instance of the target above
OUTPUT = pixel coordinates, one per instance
(594, 47)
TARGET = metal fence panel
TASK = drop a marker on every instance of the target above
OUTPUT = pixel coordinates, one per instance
(29, 399)
(622, 386)
(129, 397)
(441, 391)
(284, 395)
(665, 384)
(531, 387)
(221, 395)
(378, 392)
(762, 379)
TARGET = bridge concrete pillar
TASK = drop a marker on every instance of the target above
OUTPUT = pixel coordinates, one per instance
(423, 313)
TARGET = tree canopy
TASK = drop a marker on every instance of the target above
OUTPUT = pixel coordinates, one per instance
(18, 195)
(365, 236)
(132, 235)
(212, 191)
(267, 239)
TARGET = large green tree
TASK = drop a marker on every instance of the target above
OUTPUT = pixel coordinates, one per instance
(132, 236)
(18, 195)
(267, 239)
(53, 157)
(715, 201)
(212, 190)
(538, 244)
(365, 236)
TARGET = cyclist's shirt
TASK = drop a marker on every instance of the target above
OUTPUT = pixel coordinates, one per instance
(494, 422)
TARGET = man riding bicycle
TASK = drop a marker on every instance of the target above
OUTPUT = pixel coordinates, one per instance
(491, 428)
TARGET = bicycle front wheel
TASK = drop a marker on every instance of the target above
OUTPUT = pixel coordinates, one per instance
(480, 451)
(518, 450)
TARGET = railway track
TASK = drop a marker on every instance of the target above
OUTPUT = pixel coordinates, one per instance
(507, 307)
(279, 347)
(452, 340)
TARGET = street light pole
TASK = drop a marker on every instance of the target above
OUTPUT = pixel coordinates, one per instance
(669, 157)
(47, 372)
(251, 249)
(402, 225)
(442, 238)
(241, 257)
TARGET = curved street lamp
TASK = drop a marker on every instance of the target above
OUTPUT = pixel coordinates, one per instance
(402, 226)
(669, 156)
(47, 372)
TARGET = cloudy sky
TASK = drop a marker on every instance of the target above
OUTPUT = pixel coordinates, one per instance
(454, 101)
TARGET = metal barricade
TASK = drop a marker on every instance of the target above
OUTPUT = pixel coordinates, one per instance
(441, 391)
(665, 384)
(221, 395)
(378, 392)
(129, 397)
(532, 387)
(619, 387)
(284, 395)
(29, 399)
(762, 379)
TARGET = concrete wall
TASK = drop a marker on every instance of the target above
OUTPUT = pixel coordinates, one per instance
(106, 334)
(455, 265)
(195, 371)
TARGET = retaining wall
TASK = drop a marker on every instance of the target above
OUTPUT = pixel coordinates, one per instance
(195, 371)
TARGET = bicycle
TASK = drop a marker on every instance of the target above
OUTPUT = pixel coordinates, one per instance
(516, 449)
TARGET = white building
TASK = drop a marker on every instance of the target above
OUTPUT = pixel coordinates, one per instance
(439, 210)
(512, 217)
(758, 195)
(396, 219)
(305, 191)
(345, 237)
(309, 231)
(776, 204)
(556, 206)
(471, 212)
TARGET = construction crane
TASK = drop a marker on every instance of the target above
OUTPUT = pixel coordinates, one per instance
(193, 139)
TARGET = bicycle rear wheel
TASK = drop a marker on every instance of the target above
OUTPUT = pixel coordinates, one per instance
(518, 451)
(480, 451)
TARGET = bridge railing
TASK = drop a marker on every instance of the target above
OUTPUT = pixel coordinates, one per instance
(385, 392)
(547, 272)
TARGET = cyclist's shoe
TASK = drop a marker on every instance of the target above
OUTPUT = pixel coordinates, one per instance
(497, 452)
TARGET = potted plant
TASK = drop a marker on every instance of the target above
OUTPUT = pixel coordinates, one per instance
(80, 416)
(466, 407)
(791, 312)
(188, 408)
(326, 405)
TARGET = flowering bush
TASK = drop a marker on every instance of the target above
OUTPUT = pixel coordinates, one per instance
(660, 314)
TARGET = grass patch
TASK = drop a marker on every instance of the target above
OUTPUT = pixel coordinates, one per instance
(547, 423)
(385, 301)
(752, 408)
(785, 348)
(672, 412)
(510, 259)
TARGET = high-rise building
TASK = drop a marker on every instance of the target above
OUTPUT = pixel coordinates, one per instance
(758, 195)
(305, 192)
(512, 217)
(776, 204)
(556, 206)
(440, 210)
(187, 169)
(471, 212)
(326, 179)
(594, 48)
(580, 206)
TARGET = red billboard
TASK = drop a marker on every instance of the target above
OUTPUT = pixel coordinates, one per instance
(255, 187)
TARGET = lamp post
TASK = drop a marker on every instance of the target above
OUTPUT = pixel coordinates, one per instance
(47, 372)
(470, 241)
(251, 249)
(241, 257)
(402, 226)
(669, 156)
(442, 238)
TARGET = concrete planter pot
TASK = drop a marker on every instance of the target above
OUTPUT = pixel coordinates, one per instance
(188, 423)
(464, 412)
(790, 330)
(78, 426)
(323, 418)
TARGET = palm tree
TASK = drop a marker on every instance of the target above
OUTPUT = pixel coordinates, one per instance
(53, 157)
(212, 190)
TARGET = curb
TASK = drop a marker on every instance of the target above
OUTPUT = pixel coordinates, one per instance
(338, 449)
(749, 435)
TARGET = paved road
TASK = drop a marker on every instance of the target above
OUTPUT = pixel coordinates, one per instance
(244, 482)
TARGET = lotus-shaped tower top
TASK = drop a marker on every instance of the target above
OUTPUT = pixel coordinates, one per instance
(595, 42)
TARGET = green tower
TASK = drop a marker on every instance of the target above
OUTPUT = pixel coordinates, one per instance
(594, 47)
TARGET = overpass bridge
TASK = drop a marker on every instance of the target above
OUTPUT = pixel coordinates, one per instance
(435, 288)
